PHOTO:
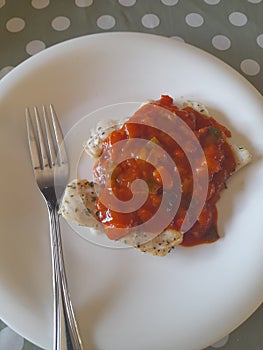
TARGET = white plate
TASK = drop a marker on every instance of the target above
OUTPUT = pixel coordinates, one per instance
(123, 299)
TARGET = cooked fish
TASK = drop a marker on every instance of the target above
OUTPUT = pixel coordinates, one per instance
(79, 201)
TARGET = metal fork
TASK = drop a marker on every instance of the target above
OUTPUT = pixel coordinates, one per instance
(50, 164)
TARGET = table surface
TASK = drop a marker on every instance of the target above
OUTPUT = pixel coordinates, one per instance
(232, 30)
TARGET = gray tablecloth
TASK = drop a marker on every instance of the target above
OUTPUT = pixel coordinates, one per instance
(232, 30)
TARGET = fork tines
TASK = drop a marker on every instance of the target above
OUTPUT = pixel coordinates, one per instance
(45, 138)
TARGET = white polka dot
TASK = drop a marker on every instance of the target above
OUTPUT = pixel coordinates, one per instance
(150, 21)
(250, 67)
(39, 4)
(194, 20)
(5, 70)
(238, 19)
(10, 340)
(35, 46)
(60, 23)
(83, 3)
(106, 22)
(2, 3)
(221, 42)
(260, 40)
(170, 2)
(178, 38)
(15, 25)
(221, 342)
(254, 1)
(127, 2)
(212, 2)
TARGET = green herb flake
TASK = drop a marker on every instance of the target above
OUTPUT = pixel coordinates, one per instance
(214, 134)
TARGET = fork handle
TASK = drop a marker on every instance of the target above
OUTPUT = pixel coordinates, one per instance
(65, 332)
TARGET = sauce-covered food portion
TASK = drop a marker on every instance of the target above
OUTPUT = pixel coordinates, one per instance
(219, 163)
(184, 158)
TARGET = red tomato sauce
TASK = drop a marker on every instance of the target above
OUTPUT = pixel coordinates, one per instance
(220, 164)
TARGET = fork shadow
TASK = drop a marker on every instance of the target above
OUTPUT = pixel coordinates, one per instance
(99, 304)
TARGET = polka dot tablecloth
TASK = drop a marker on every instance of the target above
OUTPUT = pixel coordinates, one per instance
(232, 30)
